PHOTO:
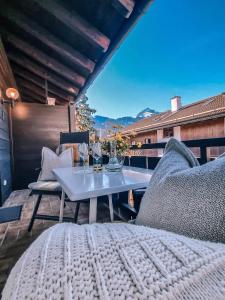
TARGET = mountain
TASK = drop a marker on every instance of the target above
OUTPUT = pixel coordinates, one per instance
(147, 112)
(102, 122)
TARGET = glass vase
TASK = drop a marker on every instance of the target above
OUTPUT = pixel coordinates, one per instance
(115, 162)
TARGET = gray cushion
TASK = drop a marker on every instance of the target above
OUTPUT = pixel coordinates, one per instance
(50, 186)
(184, 197)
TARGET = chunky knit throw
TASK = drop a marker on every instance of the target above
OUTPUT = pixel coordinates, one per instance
(117, 261)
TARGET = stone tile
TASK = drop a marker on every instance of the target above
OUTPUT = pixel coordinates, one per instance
(3, 227)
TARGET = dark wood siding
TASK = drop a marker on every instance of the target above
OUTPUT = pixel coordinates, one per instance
(6, 80)
(5, 158)
(34, 126)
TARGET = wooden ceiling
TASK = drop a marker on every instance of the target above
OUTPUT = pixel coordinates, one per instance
(63, 44)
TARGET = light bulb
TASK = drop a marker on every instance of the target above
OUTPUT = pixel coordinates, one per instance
(12, 93)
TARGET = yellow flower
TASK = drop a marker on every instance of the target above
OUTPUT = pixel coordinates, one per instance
(139, 144)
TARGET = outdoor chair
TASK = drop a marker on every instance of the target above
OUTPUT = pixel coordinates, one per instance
(125, 207)
(178, 246)
(41, 188)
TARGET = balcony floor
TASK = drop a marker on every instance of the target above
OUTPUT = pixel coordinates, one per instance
(14, 238)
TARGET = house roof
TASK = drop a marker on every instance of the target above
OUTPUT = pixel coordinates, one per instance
(212, 107)
(63, 44)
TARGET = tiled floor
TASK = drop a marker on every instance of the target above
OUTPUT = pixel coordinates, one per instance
(14, 238)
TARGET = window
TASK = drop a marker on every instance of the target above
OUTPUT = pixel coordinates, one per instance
(148, 141)
(167, 132)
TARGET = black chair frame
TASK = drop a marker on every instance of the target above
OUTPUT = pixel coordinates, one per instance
(65, 138)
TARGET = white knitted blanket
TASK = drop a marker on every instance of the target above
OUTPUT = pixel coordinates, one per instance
(117, 261)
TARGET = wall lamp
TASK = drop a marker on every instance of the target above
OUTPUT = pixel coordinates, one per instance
(12, 95)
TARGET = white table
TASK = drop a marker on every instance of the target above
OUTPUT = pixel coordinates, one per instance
(79, 184)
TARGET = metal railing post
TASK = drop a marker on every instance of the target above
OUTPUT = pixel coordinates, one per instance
(203, 154)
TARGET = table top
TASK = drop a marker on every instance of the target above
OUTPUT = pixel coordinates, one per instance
(79, 184)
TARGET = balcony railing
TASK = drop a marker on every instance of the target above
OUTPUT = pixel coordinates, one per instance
(203, 146)
(142, 161)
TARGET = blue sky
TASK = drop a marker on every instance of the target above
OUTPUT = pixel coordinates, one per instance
(177, 48)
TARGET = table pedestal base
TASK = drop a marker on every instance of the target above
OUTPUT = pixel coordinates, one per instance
(92, 208)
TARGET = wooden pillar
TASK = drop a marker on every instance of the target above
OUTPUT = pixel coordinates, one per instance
(75, 119)
(71, 118)
(224, 127)
(159, 139)
(177, 133)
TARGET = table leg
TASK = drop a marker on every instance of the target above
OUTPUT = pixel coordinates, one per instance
(93, 210)
(111, 208)
(61, 206)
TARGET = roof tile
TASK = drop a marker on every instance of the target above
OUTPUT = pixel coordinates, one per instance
(206, 108)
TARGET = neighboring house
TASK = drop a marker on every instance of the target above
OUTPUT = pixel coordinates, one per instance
(199, 120)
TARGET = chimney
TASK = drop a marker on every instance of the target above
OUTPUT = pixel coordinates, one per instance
(175, 103)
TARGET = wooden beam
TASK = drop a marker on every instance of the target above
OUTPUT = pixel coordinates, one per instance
(40, 82)
(6, 75)
(31, 97)
(32, 93)
(38, 92)
(72, 20)
(26, 98)
(37, 69)
(124, 7)
(44, 59)
(35, 89)
(28, 95)
(47, 38)
(36, 98)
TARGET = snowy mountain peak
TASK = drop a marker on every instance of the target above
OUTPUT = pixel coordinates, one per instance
(106, 123)
(147, 112)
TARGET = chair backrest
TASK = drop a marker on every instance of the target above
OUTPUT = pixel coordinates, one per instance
(74, 137)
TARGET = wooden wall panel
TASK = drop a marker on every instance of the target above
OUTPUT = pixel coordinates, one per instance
(6, 75)
(5, 158)
(203, 130)
(141, 137)
(6, 80)
(34, 126)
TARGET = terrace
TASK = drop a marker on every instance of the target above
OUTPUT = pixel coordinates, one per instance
(38, 58)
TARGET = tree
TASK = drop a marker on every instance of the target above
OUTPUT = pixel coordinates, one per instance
(84, 115)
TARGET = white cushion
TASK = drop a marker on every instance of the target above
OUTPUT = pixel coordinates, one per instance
(51, 186)
(50, 161)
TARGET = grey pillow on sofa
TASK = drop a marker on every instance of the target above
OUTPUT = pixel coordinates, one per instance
(184, 197)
